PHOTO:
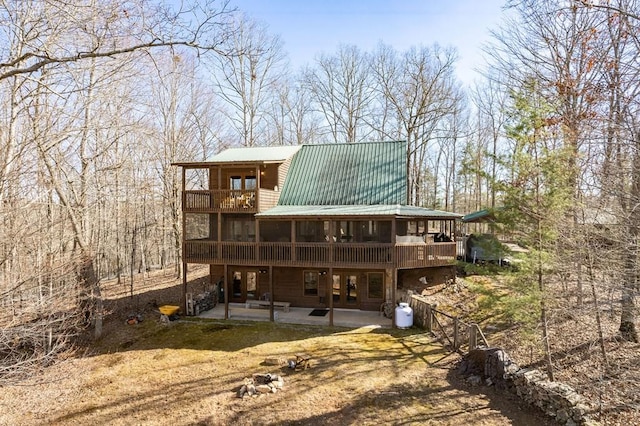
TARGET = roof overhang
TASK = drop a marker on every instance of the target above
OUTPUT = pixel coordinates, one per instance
(245, 156)
(482, 216)
(357, 211)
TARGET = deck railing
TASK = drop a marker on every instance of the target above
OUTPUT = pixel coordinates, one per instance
(228, 200)
(449, 329)
(403, 255)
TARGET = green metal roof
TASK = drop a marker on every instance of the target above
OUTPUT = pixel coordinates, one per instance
(481, 216)
(257, 154)
(347, 174)
(396, 210)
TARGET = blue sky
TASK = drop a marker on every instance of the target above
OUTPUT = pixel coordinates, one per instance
(309, 27)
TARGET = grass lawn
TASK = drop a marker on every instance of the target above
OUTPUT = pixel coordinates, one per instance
(188, 373)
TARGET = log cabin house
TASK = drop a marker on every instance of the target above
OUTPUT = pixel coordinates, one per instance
(316, 226)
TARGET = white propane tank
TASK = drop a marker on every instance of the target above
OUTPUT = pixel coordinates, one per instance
(404, 316)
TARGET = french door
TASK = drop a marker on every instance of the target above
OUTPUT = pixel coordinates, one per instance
(345, 290)
(244, 285)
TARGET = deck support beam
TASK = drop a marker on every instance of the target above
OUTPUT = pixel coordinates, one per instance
(329, 283)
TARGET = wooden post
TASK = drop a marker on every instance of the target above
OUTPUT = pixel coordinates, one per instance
(184, 286)
(456, 337)
(394, 285)
(428, 319)
(256, 197)
(271, 295)
(293, 240)
(473, 337)
(226, 293)
(211, 281)
(330, 284)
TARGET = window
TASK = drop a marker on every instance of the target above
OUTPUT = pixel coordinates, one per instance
(252, 285)
(235, 182)
(376, 285)
(237, 284)
(250, 183)
(311, 283)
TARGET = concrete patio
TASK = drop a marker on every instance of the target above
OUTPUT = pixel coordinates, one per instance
(341, 317)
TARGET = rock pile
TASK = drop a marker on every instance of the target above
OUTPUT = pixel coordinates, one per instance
(261, 384)
(494, 367)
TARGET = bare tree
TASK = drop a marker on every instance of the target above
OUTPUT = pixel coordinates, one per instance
(248, 78)
(419, 87)
(56, 31)
(56, 62)
(342, 88)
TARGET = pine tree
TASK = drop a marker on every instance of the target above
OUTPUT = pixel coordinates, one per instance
(538, 194)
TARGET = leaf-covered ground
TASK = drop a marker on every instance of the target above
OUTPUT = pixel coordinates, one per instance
(577, 355)
(188, 373)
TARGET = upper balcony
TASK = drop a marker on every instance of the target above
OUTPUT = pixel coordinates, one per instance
(228, 200)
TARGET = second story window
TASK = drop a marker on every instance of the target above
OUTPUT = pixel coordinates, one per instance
(250, 183)
(235, 183)
(243, 182)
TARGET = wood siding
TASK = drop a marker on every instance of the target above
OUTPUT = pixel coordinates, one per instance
(283, 170)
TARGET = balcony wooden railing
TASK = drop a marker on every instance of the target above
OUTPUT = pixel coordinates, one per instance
(219, 200)
(405, 255)
(226, 200)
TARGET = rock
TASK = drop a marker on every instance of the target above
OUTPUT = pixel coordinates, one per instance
(275, 361)
(251, 390)
(473, 362)
(498, 363)
(263, 389)
(474, 380)
(242, 391)
(562, 416)
(261, 379)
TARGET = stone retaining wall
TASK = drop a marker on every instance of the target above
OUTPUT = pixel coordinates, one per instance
(494, 367)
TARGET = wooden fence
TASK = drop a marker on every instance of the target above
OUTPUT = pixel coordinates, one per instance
(457, 335)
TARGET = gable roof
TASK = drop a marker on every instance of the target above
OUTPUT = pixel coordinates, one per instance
(365, 173)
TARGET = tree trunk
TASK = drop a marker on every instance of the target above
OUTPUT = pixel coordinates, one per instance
(627, 328)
